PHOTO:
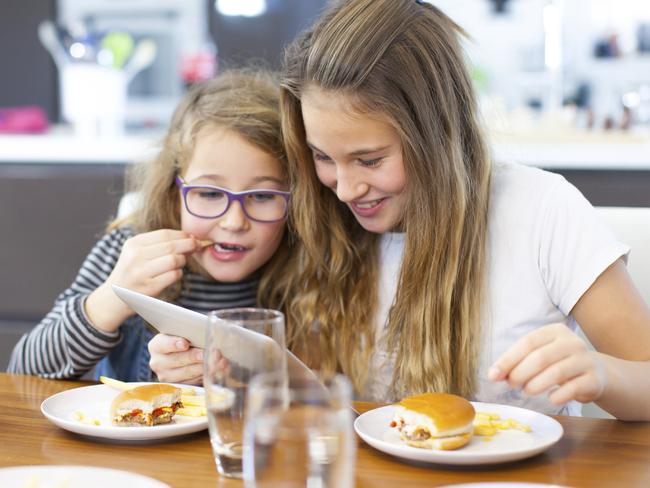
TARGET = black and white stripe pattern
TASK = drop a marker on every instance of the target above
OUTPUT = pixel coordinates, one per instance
(66, 345)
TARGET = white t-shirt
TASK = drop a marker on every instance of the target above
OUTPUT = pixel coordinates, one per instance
(546, 246)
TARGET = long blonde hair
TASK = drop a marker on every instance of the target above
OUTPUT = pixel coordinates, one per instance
(245, 101)
(401, 59)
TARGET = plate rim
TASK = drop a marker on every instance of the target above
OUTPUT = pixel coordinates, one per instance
(457, 457)
(144, 433)
(81, 467)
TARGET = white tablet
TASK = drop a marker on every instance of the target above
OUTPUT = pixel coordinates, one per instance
(173, 320)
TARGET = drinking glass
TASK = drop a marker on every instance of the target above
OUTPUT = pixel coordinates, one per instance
(240, 343)
(298, 433)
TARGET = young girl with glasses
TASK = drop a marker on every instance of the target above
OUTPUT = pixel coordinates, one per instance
(209, 233)
(429, 267)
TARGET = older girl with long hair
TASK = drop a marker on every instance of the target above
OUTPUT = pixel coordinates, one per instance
(427, 266)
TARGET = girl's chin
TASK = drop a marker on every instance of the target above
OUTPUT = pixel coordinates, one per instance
(219, 272)
(378, 227)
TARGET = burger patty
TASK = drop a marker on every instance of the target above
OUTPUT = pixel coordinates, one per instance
(161, 415)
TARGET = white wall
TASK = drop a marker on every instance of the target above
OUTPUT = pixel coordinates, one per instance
(509, 47)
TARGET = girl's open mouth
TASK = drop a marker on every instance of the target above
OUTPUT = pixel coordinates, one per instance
(225, 251)
(368, 209)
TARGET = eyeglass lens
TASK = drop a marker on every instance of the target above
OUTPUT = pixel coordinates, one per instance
(210, 202)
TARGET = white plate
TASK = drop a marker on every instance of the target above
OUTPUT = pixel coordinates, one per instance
(73, 477)
(506, 445)
(95, 401)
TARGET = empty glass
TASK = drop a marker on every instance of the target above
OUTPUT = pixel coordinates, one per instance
(240, 343)
(299, 433)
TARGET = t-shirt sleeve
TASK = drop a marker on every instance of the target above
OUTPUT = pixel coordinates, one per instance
(575, 245)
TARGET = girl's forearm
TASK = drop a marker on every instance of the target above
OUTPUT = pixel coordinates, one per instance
(627, 393)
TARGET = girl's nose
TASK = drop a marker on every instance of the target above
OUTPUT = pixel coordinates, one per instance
(349, 186)
(234, 220)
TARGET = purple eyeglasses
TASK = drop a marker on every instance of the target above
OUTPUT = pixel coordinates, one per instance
(210, 202)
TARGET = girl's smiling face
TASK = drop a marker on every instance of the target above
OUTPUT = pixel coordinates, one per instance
(225, 159)
(357, 156)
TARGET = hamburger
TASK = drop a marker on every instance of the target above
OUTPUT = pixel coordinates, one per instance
(146, 405)
(434, 421)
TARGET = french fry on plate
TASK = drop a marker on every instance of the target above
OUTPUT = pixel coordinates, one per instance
(488, 424)
(79, 416)
(192, 411)
(193, 400)
(117, 384)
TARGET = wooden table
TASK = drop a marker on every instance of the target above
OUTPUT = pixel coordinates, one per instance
(593, 452)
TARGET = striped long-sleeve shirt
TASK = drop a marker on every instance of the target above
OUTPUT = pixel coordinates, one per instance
(66, 345)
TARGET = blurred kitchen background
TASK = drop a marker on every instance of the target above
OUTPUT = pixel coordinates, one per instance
(87, 88)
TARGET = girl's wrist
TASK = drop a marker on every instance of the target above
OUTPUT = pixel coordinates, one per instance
(105, 311)
(603, 372)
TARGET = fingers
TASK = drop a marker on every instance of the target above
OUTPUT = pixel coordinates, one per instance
(515, 354)
(163, 242)
(174, 361)
(193, 381)
(165, 344)
(163, 280)
(551, 359)
(162, 264)
(152, 261)
(181, 247)
(192, 374)
(160, 235)
(217, 366)
(582, 388)
(557, 373)
(551, 356)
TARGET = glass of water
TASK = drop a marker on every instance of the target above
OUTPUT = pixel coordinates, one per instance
(299, 433)
(240, 343)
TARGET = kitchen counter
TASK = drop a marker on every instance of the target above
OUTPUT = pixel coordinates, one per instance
(576, 155)
(62, 146)
(593, 152)
(609, 168)
(571, 149)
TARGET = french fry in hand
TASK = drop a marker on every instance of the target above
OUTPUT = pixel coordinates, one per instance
(191, 411)
(117, 384)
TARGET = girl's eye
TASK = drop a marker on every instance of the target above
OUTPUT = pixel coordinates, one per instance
(262, 197)
(211, 194)
(321, 157)
(369, 163)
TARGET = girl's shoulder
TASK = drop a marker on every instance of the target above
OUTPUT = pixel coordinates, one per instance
(114, 239)
(119, 234)
(515, 179)
(519, 187)
(526, 196)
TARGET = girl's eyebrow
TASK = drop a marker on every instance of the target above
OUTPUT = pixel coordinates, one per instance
(217, 179)
(272, 179)
(358, 152)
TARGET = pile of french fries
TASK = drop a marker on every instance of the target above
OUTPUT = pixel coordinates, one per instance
(488, 424)
(193, 404)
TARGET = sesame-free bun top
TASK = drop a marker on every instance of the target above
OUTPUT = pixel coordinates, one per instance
(146, 398)
(447, 412)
